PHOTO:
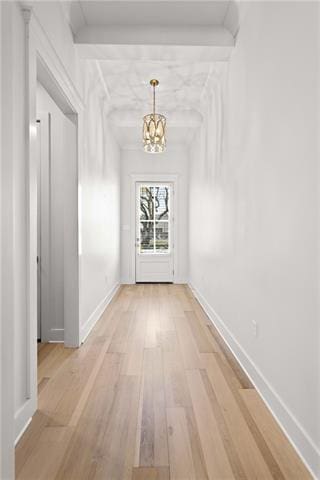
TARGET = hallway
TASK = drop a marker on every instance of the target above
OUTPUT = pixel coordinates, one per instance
(154, 393)
(160, 239)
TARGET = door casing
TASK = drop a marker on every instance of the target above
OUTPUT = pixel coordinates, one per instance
(162, 258)
(156, 178)
(41, 63)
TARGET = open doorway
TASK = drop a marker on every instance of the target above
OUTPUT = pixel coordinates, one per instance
(37, 62)
(57, 221)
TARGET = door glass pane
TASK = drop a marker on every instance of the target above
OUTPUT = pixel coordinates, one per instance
(162, 237)
(161, 201)
(153, 216)
(146, 203)
(146, 237)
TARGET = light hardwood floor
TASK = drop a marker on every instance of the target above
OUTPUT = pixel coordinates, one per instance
(153, 394)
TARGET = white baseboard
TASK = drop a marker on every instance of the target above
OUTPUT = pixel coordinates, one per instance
(22, 418)
(178, 281)
(56, 335)
(127, 281)
(96, 314)
(24, 428)
(294, 431)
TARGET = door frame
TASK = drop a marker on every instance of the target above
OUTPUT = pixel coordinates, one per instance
(171, 252)
(41, 61)
(160, 178)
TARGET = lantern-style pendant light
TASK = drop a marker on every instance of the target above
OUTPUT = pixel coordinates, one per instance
(154, 127)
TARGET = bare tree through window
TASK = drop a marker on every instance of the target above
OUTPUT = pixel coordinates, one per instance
(154, 218)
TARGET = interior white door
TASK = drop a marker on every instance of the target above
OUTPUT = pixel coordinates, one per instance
(57, 228)
(39, 230)
(43, 220)
(154, 232)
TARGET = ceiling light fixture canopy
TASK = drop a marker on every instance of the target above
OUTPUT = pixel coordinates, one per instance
(154, 127)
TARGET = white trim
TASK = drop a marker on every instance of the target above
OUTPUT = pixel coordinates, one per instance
(29, 406)
(51, 59)
(56, 335)
(38, 46)
(214, 41)
(156, 258)
(7, 272)
(134, 52)
(294, 431)
(22, 416)
(96, 314)
(181, 281)
(43, 129)
(151, 177)
(24, 428)
(2, 401)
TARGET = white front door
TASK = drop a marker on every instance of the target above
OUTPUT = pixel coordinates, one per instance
(154, 232)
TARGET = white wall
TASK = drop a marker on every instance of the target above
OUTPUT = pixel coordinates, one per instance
(253, 213)
(99, 197)
(6, 259)
(15, 246)
(173, 161)
(99, 206)
(1, 322)
(51, 16)
(16, 182)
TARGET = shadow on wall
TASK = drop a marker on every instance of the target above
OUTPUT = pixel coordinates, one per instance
(232, 18)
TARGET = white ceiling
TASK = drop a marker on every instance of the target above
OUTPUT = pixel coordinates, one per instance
(180, 88)
(125, 74)
(180, 96)
(147, 12)
(154, 12)
(179, 13)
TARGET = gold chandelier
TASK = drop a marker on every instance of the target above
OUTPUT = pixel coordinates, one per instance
(154, 127)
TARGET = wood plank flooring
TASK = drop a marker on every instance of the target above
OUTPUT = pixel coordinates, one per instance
(153, 394)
